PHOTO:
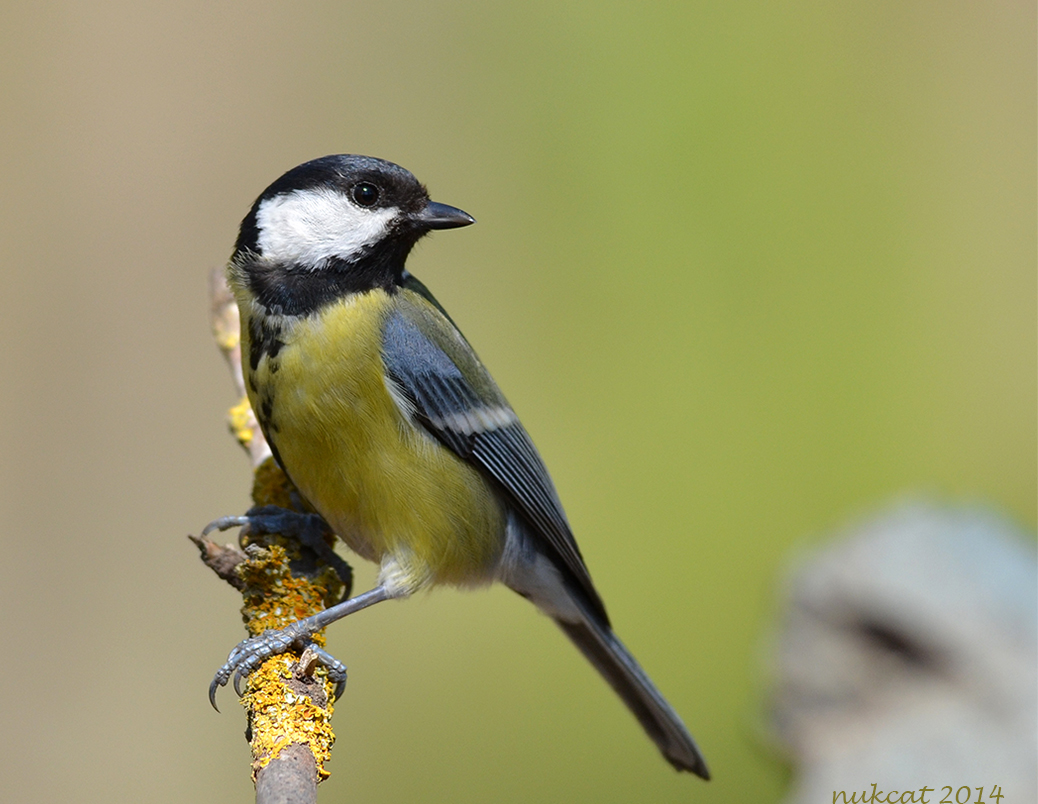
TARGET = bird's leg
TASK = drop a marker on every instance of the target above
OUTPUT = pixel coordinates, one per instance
(252, 652)
(310, 530)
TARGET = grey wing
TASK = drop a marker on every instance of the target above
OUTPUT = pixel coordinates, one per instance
(455, 399)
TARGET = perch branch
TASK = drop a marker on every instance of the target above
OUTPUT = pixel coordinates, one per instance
(288, 699)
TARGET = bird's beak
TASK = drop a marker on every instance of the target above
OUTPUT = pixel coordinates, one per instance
(441, 216)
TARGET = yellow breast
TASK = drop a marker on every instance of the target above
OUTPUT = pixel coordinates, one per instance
(387, 488)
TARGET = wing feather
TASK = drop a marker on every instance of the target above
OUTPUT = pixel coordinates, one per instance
(455, 400)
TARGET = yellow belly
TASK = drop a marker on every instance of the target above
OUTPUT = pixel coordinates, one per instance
(388, 489)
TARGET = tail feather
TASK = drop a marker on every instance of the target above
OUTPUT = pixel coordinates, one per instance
(601, 647)
(529, 568)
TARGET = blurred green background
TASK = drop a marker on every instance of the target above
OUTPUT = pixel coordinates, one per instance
(747, 271)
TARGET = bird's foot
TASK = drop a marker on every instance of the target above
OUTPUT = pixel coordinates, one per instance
(310, 530)
(251, 653)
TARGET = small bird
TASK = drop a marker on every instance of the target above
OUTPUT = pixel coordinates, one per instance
(386, 421)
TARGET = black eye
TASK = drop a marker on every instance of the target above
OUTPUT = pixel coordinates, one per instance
(366, 194)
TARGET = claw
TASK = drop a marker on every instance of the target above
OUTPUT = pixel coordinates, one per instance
(336, 669)
(309, 529)
(225, 523)
(218, 681)
(213, 687)
(251, 653)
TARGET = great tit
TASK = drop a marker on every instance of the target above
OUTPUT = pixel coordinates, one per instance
(386, 421)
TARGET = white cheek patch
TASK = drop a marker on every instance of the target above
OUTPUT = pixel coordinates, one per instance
(310, 227)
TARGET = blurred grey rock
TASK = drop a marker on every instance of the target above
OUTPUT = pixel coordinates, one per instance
(908, 657)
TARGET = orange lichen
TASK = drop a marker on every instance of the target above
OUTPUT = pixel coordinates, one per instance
(282, 711)
(273, 596)
(282, 708)
(284, 705)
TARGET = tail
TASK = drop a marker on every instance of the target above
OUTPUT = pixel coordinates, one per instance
(617, 666)
(532, 567)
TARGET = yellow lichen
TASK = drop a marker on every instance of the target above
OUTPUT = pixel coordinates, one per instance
(273, 596)
(280, 715)
(282, 710)
(228, 339)
(242, 422)
(271, 486)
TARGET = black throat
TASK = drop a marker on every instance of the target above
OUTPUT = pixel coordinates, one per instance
(298, 290)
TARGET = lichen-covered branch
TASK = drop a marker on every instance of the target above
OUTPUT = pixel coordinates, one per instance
(288, 699)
